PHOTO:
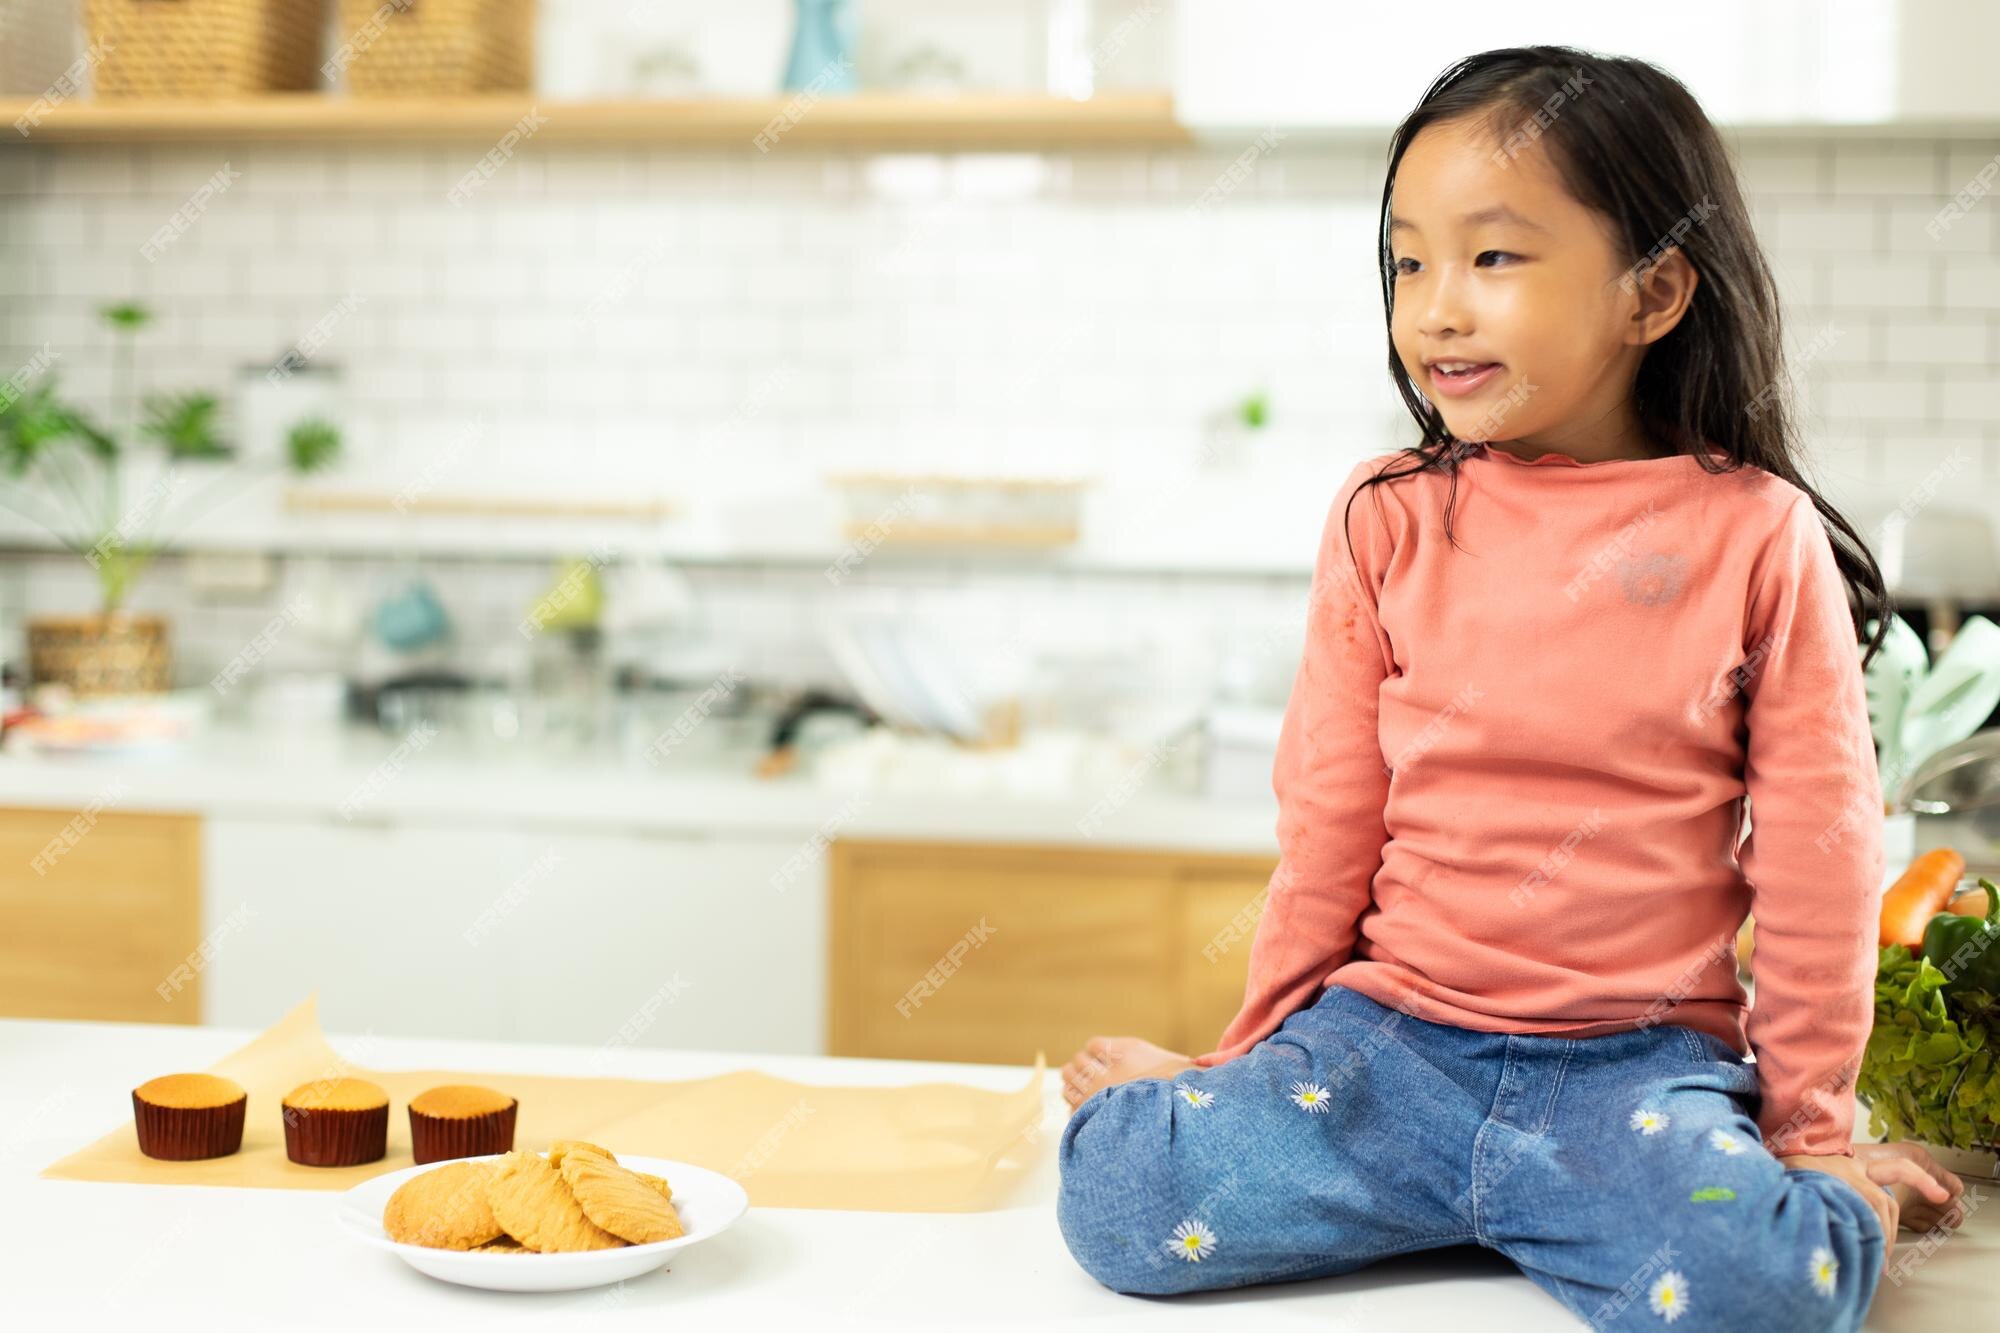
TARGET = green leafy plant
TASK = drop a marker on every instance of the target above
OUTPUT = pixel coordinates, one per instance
(67, 474)
(1255, 410)
(1928, 1070)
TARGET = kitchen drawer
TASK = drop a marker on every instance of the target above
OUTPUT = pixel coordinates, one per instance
(100, 916)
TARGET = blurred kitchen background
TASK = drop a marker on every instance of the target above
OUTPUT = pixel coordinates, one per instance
(785, 525)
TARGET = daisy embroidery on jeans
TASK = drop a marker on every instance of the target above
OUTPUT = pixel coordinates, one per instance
(1649, 1122)
(1192, 1241)
(1669, 1296)
(1311, 1097)
(1194, 1097)
(1824, 1268)
(1723, 1141)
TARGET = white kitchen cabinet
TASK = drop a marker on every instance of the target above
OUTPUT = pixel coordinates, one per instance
(1245, 66)
(517, 934)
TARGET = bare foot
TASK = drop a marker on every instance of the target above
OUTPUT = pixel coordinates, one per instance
(1105, 1061)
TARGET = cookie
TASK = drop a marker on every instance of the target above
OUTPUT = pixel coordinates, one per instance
(445, 1209)
(616, 1199)
(658, 1183)
(561, 1147)
(535, 1207)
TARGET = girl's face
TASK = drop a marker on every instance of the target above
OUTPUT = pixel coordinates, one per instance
(1498, 266)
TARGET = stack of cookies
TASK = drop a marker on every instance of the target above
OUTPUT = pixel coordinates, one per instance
(578, 1198)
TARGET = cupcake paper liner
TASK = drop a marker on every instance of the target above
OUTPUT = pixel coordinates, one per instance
(323, 1136)
(188, 1133)
(440, 1138)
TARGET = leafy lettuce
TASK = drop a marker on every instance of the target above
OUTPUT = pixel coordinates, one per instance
(1928, 1071)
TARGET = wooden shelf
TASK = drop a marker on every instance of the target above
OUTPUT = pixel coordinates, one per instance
(471, 506)
(866, 120)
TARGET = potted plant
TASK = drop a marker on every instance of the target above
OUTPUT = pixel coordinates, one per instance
(78, 481)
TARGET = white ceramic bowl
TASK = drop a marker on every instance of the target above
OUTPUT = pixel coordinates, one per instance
(708, 1202)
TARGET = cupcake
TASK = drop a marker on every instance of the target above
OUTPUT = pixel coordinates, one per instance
(336, 1122)
(458, 1120)
(185, 1117)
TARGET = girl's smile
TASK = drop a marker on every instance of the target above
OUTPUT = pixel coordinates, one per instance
(1460, 379)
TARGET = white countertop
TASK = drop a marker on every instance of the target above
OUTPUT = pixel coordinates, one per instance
(237, 772)
(88, 1254)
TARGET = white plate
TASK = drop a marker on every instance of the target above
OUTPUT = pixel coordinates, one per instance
(707, 1201)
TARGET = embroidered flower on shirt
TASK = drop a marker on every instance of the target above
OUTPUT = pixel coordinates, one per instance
(1312, 1097)
(1652, 580)
(1650, 1122)
(1194, 1097)
(1669, 1296)
(1723, 1141)
(1192, 1241)
(1824, 1267)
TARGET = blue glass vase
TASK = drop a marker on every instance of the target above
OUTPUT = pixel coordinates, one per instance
(822, 57)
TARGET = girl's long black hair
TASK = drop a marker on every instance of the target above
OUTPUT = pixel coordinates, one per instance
(1632, 143)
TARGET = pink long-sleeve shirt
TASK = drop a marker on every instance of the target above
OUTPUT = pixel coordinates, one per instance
(1512, 774)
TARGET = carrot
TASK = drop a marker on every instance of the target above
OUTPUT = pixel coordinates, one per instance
(1918, 895)
(1970, 903)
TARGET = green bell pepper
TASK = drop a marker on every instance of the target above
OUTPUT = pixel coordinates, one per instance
(1967, 948)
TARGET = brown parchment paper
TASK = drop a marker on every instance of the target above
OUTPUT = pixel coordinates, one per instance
(927, 1147)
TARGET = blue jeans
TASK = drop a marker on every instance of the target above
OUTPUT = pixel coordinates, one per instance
(1624, 1173)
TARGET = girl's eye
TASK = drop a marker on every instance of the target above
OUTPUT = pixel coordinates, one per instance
(1398, 269)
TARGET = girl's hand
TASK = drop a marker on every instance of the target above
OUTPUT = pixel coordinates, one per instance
(1930, 1198)
(1105, 1061)
(1887, 1175)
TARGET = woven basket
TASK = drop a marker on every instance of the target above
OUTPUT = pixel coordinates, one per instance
(204, 48)
(414, 47)
(115, 654)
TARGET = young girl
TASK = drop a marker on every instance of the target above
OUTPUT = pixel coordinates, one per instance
(1550, 650)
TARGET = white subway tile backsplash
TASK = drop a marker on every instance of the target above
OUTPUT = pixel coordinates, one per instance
(1836, 339)
(23, 171)
(60, 223)
(1901, 283)
(1971, 165)
(115, 169)
(230, 223)
(1972, 398)
(1936, 467)
(1810, 226)
(1971, 284)
(658, 321)
(594, 171)
(288, 171)
(1862, 166)
(1849, 398)
(1960, 340)
(292, 277)
(339, 232)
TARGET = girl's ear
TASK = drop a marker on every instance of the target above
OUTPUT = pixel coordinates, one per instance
(1662, 288)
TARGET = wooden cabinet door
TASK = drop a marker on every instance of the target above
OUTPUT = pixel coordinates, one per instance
(1218, 911)
(100, 916)
(950, 952)
(989, 953)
